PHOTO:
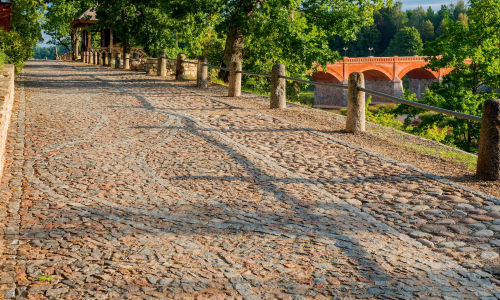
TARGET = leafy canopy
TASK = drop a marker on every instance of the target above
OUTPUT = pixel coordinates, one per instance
(472, 51)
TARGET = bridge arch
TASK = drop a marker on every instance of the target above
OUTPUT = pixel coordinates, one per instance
(375, 73)
(328, 77)
(419, 79)
(418, 73)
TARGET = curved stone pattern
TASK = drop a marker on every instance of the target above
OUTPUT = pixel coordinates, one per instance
(124, 186)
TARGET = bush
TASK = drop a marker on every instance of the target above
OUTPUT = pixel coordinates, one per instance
(3, 59)
(17, 48)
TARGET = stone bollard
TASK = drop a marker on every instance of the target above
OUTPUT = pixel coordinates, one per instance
(135, 55)
(278, 87)
(180, 68)
(162, 64)
(355, 104)
(110, 59)
(118, 58)
(84, 57)
(126, 61)
(235, 79)
(105, 59)
(91, 57)
(488, 156)
(96, 55)
(98, 58)
(202, 73)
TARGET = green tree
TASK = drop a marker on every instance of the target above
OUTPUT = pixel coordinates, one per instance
(460, 8)
(407, 42)
(368, 37)
(441, 29)
(416, 17)
(58, 18)
(294, 32)
(473, 52)
(463, 18)
(426, 31)
(389, 20)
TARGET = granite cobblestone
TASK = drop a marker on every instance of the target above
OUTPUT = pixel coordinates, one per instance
(125, 186)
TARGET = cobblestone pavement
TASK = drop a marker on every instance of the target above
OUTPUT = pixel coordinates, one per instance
(124, 186)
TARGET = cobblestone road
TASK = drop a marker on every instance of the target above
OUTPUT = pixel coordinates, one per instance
(124, 186)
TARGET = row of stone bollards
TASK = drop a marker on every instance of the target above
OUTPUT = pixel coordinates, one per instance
(488, 164)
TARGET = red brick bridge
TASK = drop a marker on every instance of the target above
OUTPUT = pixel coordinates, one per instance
(382, 74)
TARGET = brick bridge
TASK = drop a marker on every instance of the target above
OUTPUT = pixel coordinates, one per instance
(383, 74)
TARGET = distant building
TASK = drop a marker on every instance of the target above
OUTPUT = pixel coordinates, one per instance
(5, 14)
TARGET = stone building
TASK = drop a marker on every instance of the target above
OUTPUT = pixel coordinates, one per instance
(5, 14)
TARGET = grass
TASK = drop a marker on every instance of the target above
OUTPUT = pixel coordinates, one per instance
(469, 159)
(45, 278)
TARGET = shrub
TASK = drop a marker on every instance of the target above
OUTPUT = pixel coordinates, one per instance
(3, 59)
(17, 48)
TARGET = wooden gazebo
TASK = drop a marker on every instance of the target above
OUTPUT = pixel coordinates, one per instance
(108, 43)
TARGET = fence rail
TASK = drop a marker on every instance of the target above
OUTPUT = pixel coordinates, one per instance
(216, 67)
(333, 85)
(488, 165)
(254, 74)
(424, 106)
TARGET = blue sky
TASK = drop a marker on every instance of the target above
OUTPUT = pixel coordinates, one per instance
(435, 4)
(407, 4)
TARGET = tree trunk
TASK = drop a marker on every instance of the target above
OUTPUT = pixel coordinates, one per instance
(233, 50)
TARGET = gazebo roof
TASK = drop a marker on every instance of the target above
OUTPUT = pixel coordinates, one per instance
(88, 17)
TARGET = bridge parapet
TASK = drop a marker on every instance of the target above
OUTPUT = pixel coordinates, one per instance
(383, 74)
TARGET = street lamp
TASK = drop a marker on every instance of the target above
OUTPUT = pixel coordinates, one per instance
(345, 51)
(371, 49)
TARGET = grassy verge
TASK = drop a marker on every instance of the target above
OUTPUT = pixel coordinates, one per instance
(468, 159)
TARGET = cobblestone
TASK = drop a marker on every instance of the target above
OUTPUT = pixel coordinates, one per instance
(125, 186)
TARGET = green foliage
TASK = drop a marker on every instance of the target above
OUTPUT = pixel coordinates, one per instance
(368, 37)
(426, 31)
(3, 59)
(27, 16)
(17, 48)
(48, 52)
(59, 15)
(383, 116)
(472, 51)
(45, 278)
(390, 19)
(26, 31)
(407, 42)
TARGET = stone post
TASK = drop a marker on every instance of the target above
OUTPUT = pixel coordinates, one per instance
(110, 59)
(180, 68)
(135, 55)
(162, 64)
(91, 57)
(235, 79)
(355, 104)
(488, 156)
(118, 58)
(278, 87)
(96, 55)
(105, 61)
(126, 61)
(98, 58)
(84, 57)
(202, 74)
